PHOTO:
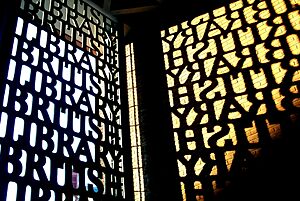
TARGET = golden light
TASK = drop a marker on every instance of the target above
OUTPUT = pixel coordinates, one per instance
(225, 66)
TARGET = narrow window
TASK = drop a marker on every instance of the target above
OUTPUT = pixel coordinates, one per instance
(138, 179)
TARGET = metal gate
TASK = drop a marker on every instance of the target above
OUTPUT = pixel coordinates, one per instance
(60, 117)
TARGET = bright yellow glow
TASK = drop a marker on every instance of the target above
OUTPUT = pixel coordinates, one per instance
(230, 64)
(278, 72)
(191, 117)
(294, 62)
(278, 100)
(279, 6)
(294, 44)
(183, 191)
(295, 20)
(249, 13)
(199, 166)
(229, 155)
(136, 155)
(259, 79)
(227, 42)
(176, 121)
(182, 169)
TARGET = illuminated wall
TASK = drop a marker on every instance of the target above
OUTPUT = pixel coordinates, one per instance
(60, 116)
(135, 136)
(233, 80)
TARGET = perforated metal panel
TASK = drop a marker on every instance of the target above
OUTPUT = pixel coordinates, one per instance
(61, 133)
